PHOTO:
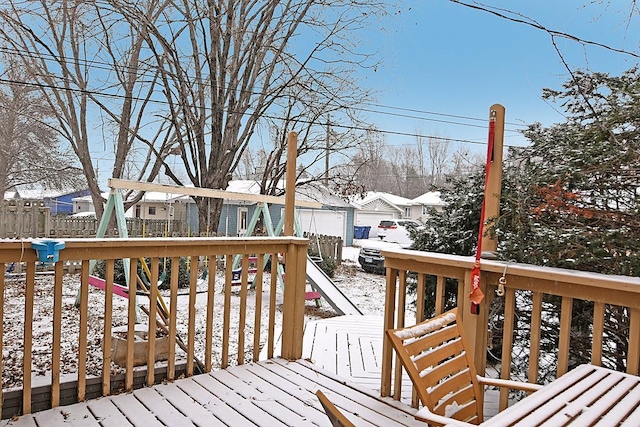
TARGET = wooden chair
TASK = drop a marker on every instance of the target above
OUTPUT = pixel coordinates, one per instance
(335, 416)
(434, 355)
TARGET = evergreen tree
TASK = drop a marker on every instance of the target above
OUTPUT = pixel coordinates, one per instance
(569, 200)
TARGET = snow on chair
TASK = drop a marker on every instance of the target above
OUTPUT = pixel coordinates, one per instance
(434, 354)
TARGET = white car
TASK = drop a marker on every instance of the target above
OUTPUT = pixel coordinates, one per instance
(397, 230)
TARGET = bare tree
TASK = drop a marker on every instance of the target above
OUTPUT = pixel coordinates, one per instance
(87, 63)
(438, 157)
(29, 150)
(370, 163)
(226, 65)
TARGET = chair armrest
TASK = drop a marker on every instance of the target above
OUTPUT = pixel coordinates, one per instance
(425, 415)
(518, 385)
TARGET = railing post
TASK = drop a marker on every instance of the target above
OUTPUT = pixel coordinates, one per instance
(293, 302)
(389, 323)
(475, 326)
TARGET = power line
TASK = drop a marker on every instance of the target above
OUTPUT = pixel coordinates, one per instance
(269, 116)
(412, 110)
(104, 66)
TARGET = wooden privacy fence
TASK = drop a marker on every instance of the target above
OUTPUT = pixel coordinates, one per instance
(32, 219)
(327, 246)
(227, 335)
(24, 218)
(136, 227)
(547, 316)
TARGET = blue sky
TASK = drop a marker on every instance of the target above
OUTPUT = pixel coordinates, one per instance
(447, 58)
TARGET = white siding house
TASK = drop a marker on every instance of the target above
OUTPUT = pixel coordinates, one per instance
(376, 206)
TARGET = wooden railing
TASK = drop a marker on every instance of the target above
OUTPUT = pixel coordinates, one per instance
(532, 294)
(198, 351)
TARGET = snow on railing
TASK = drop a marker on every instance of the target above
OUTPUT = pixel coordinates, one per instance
(548, 321)
(219, 308)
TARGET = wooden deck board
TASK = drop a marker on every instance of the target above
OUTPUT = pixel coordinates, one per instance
(268, 393)
(225, 413)
(267, 397)
(20, 422)
(364, 404)
(350, 347)
(81, 417)
(186, 405)
(136, 412)
(251, 410)
(104, 411)
(161, 407)
(257, 378)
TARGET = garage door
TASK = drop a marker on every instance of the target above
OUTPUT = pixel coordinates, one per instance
(327, 222)
(372, 219)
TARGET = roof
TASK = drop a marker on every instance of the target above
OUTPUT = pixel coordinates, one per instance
(391, 199)
(10, 195)
(39, 194)
(243, 186)
(431, 198)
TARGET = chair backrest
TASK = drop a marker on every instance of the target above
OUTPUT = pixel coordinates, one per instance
(434, 355)
(335, 416)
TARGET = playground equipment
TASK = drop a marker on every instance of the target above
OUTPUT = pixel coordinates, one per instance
(321, 284)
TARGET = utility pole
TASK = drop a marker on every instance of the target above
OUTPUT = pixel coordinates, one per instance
(326, 154)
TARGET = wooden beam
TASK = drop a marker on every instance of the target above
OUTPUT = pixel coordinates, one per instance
(292, 155)
(123, 184)
(494, 180)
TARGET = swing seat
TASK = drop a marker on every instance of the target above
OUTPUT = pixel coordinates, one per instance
(312, 295)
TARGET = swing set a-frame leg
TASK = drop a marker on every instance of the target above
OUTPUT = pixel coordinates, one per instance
(115, 203)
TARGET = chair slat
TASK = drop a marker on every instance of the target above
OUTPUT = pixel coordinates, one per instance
(450, 385)
(444, 352)
(433, 339)
(461, 398)
(447, 368)
(466, 413)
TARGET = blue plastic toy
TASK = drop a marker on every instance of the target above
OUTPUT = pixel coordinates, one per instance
(48, 250)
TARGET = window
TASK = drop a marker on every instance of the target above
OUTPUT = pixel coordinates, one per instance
(425, 210)
(152, 210)
(407, 212)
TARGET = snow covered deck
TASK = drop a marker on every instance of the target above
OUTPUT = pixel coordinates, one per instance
(274, 392)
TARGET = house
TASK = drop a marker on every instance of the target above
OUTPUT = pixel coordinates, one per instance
(153, 205)
(376, 206)
(335, 218)
(422, 205)
(60, 202)
(11, 195)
